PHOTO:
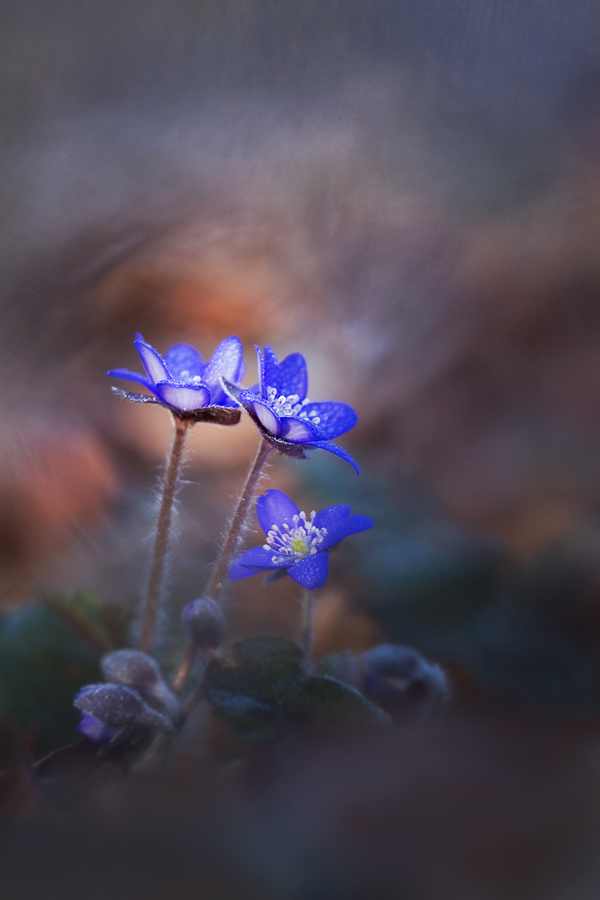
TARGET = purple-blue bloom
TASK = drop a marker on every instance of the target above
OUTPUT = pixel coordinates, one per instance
(184, 383)
(286, 418)
(297, 545)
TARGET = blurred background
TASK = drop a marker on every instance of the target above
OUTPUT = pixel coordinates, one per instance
(408, 193)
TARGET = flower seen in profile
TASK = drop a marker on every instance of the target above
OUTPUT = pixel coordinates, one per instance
(297, 545)
(184, 383)
(286, 418)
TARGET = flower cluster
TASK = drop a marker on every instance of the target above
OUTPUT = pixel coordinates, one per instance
(135, 701)
(287, 420)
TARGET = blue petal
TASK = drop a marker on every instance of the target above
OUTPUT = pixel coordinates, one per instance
(257, 559)
(274, 508)
(298, 431)
(266, 416)
(261, 387)
(268, 371)
(351, 525)
(184, 363)
(331, 515)
(333, 448)
(183, 396)
(311, 572)
(153, 362)
(132, 376)
(225, 400)
(94, 729)
(334, 418)
(227, 362)
(292, 376)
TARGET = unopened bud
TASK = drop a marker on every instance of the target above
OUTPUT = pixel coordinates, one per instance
(131, 668)
(398, 677)
(205, 623)
(118, 706)
(394, 661)
(135, 669)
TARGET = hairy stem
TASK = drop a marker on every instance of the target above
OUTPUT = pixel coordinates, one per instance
(307, 630)
(226, 552)
(197, 694)
(185, 667)
(237, 521)
(161, 540)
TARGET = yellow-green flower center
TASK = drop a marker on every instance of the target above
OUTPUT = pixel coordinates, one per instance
(299, 545)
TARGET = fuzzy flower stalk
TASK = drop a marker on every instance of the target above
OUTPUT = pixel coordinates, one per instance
(192, 392)
(228, 546)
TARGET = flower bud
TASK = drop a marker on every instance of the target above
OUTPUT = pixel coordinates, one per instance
(394, 661)
(205, 623)
(118, 706)
(131, 668)
(399, 678)
(135, 669)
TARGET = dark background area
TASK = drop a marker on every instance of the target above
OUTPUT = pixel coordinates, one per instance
(408, 193)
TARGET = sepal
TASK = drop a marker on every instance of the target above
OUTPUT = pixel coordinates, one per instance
(296, 451)
(215, 415)
(138, 398)
(232, 390)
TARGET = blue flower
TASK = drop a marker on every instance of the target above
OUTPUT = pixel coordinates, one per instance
(185, 384)
(297, 545)
(286, 419)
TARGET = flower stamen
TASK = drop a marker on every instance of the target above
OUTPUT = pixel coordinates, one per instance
(289, 406)
(296, 542)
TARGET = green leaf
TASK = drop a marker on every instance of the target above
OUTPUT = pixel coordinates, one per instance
(266, 694)
(42, 665)
(325, 702)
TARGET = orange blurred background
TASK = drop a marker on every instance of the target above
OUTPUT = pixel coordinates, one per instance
(408, 194)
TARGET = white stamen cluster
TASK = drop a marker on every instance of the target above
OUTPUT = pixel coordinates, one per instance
(293, 543)
(185, 376)
(290, 406)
